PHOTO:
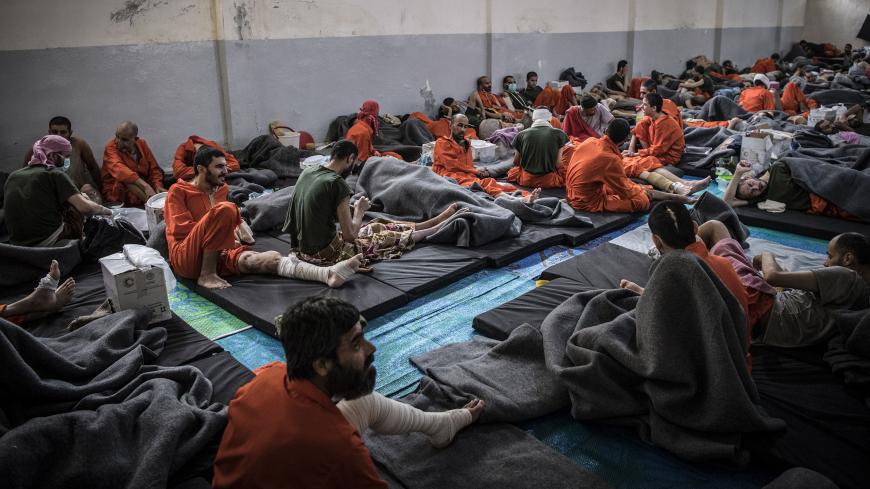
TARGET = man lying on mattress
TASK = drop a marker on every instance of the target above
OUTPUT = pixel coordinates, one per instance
(299, 424)
(776, 188)
(322, 199)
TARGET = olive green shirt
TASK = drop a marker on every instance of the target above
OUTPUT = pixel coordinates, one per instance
(313, 211)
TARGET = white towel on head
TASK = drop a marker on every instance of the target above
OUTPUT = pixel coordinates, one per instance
(541, 115)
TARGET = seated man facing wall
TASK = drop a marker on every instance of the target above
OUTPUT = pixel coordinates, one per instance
(322, 199)
(595, 177)
(452, 158)
(536, 154)
(776, 185)
(367, 126)
(42, 204)
(182, 165)
(83, 170)
(300, 424)
(130, 172)
(204, 232)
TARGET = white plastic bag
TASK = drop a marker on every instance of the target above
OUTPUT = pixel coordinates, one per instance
(143, 256)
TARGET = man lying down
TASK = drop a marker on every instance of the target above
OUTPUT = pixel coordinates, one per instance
(783, 308)
(299, 424)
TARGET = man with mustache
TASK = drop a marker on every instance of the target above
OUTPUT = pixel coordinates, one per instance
(299, 424)
(205, 233)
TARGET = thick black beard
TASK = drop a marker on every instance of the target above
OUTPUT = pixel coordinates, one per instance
(349, 383)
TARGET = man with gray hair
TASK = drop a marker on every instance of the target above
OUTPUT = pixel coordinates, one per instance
(130, 172)
(537, 152)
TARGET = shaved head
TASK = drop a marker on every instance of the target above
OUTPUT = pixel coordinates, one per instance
(459, 125)
(127, 128)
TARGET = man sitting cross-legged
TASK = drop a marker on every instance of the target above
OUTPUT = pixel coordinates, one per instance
(452, 158)
(596, 180)
(47, 298)
(536, 154)
(322, 199)
(300, 424)
(204, 232)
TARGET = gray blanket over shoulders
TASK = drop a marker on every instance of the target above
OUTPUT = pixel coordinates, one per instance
(844, 187)
(670, 363)
(408, 192)
(92, 413)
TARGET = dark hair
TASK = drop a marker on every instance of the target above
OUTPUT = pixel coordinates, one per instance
(700, 69)
(690, 64)
(343, 148)
(442, 111)
(774, 56)
(650, 84)
(655, 100)
(504, 79)
(673, 224)
(856, 57)
(655, 76)
(857, 244)
(480, 80)
(204, 156)
(759, 83)
(621, 63)
(588, 101)
(448, 101)
(818, 127)
(531, 74)
(60, 120)
(727, 62)
(618, 130)
(312, 329)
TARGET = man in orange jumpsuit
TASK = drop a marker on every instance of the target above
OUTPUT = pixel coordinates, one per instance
(595, 179)
(364, 129)
(757, 97)
(765, 65)
(452, 158)
(441, 126)
(130, 172)
(204, 232)
(794, 102)
(491, 105)
(182, 166)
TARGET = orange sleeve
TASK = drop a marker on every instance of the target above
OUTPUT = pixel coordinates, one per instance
(180, 170)
(179, 219)
(232, 162)
(631, 196)
(663, 138)
(769, 103)
(641, 130)
(447, 162)
(470, 134)
(113, 164)
(361, 140)
(155, 173)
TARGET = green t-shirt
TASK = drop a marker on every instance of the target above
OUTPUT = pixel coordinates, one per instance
(781, 188)
(539, 149)
(313, 211)
(530, 94)
(33, 203)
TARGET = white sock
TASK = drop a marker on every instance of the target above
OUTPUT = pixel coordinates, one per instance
(47, 282)
(292, 267)
(390, 417)
(342, 269)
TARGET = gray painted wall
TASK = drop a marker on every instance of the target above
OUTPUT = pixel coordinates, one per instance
(173, 90)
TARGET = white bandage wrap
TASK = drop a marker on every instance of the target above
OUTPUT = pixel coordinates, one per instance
(292, 267)
(47, 282)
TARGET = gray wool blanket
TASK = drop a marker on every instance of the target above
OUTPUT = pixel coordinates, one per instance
(407, 192)
(92, 413)
(709, 138)
(671, 364)
(26, 265)
(709, 207)
(268, 212)
(844, 187)
(720, 109)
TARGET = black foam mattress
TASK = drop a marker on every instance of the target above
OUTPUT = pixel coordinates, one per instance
(531, 307)
(603, 267)
(797, 222)
(259, 299)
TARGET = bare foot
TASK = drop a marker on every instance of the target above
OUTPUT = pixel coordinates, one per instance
(475, 407)
(341, 271)
(533, 196)
(212, 281)
(679, 189)
(103, 310)
(698, 185)
(628, 284)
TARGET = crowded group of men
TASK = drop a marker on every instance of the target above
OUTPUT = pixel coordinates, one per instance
(559, 138)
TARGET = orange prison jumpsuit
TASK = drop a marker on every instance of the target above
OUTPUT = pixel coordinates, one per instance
(450, 159)
(182, 166)
(665, 145)
(596, 181)
(120, 168)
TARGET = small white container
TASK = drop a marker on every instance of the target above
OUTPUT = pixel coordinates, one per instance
(482, 151)
(290, 139)
(154, 211)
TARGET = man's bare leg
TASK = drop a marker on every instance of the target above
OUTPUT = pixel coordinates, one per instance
(659, 195)
(446, 214)
(135, 190)
(685, 187)
(46, 298)
(533, 196)
(421, 234)
(208, 276)
(712, 232)
(270, 263)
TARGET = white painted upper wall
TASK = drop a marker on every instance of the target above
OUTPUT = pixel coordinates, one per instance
(836, 21)
(41, 24)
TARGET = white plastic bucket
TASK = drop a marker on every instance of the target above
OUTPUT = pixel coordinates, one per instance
(290, 139)
(154, 211)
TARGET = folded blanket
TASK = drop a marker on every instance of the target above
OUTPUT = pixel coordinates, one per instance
(670, 363)
(720, 109)
(267, 153)
(841, 96)
(131, 424)
(263, 177)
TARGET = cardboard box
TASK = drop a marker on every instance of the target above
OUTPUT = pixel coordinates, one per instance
(482, 151)
(755, 149)
(129, 287)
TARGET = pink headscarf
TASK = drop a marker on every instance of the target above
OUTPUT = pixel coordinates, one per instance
(369, 114)
(48, 146)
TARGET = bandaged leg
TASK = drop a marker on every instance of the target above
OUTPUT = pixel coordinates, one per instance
(390, 417)
(659, 182)
(293, 267)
